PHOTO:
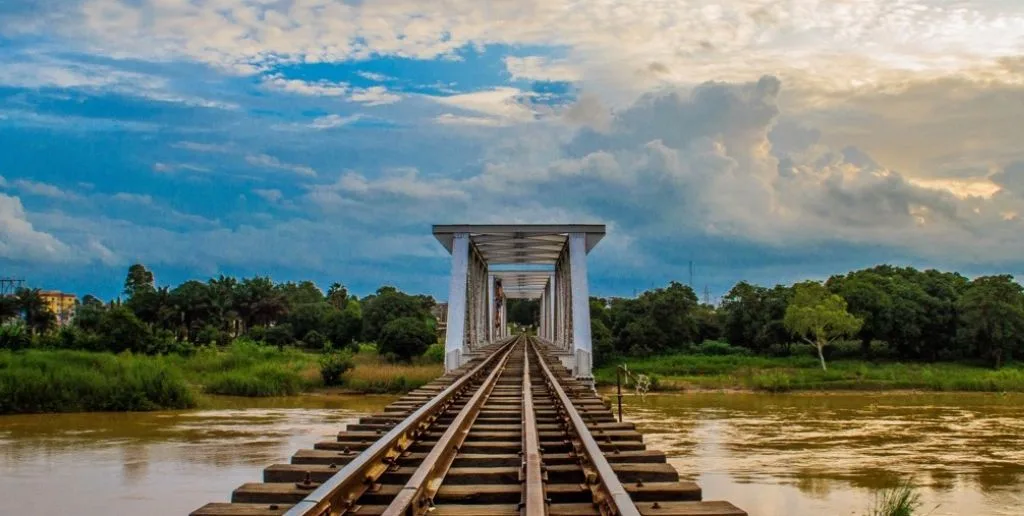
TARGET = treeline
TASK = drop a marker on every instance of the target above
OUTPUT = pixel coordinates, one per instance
(157, 320)
(901, 312)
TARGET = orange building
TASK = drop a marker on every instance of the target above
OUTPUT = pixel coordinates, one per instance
(62, 305)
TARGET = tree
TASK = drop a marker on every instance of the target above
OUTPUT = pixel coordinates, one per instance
(9, 308)
(337, 295)
(302, 293)
(91, 300)
(867, 297)
(259, 303)
(193, 303)
(139, 279)
(819, 316)
(389, 304)
(344, 327)
(406, 337)
(992, 318)
(523, 312)
(38, 317)
(310, 317)
(120, 330)
(752, 316)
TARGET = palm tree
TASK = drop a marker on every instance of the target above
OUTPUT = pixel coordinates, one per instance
(38, 316)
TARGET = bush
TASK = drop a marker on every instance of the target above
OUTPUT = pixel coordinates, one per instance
(314, 340)
(334, 365)
(718, 348)
(406, 337)
(14, 337)
(257, 333)
(772, 381)
(280, 336)
(434, 353)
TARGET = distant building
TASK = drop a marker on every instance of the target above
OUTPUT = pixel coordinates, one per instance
(62, 305)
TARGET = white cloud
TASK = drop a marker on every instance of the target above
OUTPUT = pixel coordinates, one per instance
(374, 96)
(202, 147)
(538, 68)
(321, 88)
(379, 77)
(43, 189)
(642, 44)
(497, 106)
(269, 195)
(332, 121)
(46, 72)
(142, 199)
(20, 241)
(267, 161)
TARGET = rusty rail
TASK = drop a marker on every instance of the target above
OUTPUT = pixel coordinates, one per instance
(417, 497)
(340, 492)
(534, 497)
(608, 493)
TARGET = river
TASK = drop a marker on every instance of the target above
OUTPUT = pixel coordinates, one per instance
(773, 455)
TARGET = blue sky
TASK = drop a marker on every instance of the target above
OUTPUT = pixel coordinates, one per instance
(320, 139)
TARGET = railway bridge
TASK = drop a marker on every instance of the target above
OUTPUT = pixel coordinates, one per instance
(513, 427)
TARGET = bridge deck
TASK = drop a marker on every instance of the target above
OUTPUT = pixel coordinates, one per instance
(509, 433)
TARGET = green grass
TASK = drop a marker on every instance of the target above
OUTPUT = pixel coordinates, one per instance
(775, 374)
(899, 501)
(249, 369)
(35, 381)
(39, 381)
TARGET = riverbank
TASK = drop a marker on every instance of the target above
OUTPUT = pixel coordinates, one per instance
(41, 381)
(782, 374)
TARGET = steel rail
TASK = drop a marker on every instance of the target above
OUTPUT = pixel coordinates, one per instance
(534, 496)
(609, 494)
(416, 498)
(340, 492)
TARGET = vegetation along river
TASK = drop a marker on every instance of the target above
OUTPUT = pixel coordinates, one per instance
(773, 455)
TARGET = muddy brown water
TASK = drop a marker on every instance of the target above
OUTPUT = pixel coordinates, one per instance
(772, 455)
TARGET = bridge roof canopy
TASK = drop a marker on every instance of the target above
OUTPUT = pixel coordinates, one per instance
(518, 244)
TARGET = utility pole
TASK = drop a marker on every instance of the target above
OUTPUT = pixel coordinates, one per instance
(707, 295)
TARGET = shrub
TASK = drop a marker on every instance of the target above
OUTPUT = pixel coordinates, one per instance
(14, 337)
(406, 337)
(902, 500)
(334, 365)
(718, 348)
(280, 336)
(257, 333)
(772, 381)
(314, 340)
(434, 353)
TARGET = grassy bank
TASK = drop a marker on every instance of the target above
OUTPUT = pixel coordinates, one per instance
(776, 374)
(36, 381)
(372, 374)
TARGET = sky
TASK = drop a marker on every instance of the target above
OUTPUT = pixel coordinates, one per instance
(762, 140)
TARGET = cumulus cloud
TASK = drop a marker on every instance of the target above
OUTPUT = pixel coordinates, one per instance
(20, 241)
(698, 163)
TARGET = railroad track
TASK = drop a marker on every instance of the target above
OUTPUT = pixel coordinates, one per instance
(510, 433)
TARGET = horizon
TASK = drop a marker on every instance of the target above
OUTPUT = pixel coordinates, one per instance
(319, 140)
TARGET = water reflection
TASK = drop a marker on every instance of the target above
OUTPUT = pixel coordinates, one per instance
(827, 454)
(163, 462)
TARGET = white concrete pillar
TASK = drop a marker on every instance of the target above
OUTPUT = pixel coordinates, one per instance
(456, 333)
(580, 305)
(551, 307)
(540, 317)
(504, 317)
(491, 309)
